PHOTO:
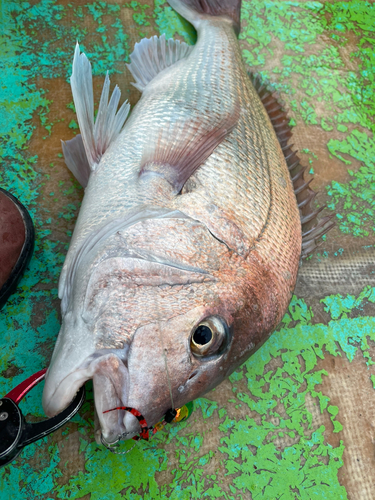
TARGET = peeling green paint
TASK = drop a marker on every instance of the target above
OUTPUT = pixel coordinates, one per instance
(355, 200)
(338, 306)
(327, 94)
(36, 44)
(170, 23)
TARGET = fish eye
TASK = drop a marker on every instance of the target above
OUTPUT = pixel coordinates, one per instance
(202, 335)
(208, 336)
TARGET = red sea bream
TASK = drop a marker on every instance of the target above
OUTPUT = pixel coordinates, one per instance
(187, 245)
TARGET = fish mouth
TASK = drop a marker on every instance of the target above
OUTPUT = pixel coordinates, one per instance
(111, 384)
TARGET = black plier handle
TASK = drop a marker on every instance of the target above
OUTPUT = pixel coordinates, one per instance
(15, 432)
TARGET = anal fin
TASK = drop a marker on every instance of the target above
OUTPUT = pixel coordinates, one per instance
(312, 229)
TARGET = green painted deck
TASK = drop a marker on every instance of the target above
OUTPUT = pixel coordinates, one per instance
(297, 420)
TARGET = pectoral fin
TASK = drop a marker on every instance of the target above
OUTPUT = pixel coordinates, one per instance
(180, 147)
(153, 55)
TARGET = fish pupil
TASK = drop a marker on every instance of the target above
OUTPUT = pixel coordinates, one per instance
(202, 335)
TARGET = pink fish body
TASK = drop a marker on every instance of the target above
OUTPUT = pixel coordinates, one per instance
(188, 241)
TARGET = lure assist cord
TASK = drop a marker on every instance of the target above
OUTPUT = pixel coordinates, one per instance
(144, 434)
(164, 349)
(176, 415)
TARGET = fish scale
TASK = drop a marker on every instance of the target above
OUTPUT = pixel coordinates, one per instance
(189, 223)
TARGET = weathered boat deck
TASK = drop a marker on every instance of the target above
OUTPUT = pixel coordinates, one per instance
(297, 420)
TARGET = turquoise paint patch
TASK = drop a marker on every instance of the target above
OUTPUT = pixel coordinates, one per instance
(355, 200)
(170, 23)
(269, 472)
(338, 306)
(141, 16)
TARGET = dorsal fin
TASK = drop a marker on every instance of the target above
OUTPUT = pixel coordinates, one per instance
(312, 229)
(153, 55)
(97, 137)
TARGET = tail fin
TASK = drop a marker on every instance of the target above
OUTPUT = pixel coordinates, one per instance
(193, 10)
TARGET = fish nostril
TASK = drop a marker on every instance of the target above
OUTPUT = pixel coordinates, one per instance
(193, 374)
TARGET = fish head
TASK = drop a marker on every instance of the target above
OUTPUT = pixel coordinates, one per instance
(154, 331)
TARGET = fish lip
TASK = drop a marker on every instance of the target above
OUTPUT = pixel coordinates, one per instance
(111, 387)
(59, 393)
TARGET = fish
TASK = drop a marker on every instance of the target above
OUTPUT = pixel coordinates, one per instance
(187, 245)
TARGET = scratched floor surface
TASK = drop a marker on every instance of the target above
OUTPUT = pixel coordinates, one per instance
(297, 420)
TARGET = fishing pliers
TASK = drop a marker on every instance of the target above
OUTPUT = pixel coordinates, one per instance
(15, 432)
